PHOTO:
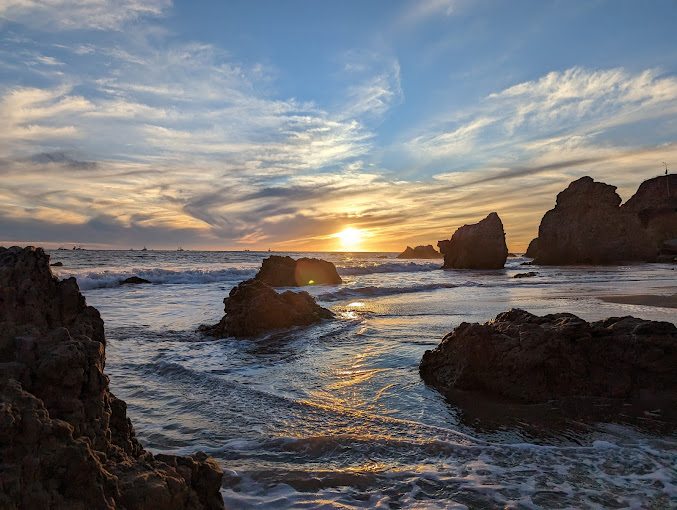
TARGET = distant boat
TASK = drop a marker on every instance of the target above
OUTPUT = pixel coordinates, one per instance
(246, 249)
(61, 248)
(180, 249)
(78, 247)
(144, 249)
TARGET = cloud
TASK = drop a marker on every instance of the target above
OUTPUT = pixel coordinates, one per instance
(79, 14)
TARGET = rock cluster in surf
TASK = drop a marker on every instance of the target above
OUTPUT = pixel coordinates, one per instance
(254, 307)
(65, 440)
(278, 271)
(478, 246)
(590, 226)
(420, 252)
(534, 359)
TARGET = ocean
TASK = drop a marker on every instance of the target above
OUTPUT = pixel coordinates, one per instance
(335, 415)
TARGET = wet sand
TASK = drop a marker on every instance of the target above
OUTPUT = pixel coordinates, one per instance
(643, 299)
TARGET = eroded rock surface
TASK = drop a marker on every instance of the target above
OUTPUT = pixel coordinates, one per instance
(278, 271)
(478, 246)
(65, 440)
(420, 252)
(535, 359)
(254, 307)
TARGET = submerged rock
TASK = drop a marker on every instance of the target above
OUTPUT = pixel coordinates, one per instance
(134, 280)
(254, 307)
(278, 271)
(478, 246)
(57, 264)
(420, 252)
(535, 359)
(526, 275)
(65, 440)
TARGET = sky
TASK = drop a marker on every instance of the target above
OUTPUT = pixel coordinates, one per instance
(280, 124)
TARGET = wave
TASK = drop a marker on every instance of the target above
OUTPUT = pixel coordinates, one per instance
(97, 280)
(389, 267)
(371, 291)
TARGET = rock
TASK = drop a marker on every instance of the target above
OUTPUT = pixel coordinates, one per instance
(512, 255)
(529, 263)
(590, 226)
(655, 203)
(65, 440)
(535, 359)
(254, 307)
(57, 264)
(420, 252)
(278, 271)
(478, 246)
(532, 250)
(525, 275)
(134, 280)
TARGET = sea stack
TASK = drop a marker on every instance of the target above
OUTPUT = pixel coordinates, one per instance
(65, 439)
(535, 359)
(254, 307)
(278, 271)
(589, 226)
(478, 246)
(420, 252)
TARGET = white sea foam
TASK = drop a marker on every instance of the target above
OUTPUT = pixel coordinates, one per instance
(388, 267)
(101, 279)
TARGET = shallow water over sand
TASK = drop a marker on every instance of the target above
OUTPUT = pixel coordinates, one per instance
(336, 415)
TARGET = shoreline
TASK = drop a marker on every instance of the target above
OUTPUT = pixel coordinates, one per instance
(660, 301)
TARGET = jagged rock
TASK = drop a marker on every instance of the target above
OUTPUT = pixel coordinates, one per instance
(134, 280)
(278, 271)
(532, 250)
(65, 440)
(478, 246)
(420, 252)
(589, 226)
(655, 203)
(525, 275)
(254, 307)
(534, 359)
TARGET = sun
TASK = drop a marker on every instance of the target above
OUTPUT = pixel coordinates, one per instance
(349, 238)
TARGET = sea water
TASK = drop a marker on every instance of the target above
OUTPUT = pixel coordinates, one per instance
(336, 415)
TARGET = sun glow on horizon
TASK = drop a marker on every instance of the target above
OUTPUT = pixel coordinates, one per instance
(350, 238)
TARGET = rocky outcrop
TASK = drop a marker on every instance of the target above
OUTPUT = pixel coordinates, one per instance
(254, 307)
(589, 226)
(420, 252)
(526, 275)
(134, 280)
(278, 271)
(478, 246)
(532, 250)
(65, 440)
(534, 359)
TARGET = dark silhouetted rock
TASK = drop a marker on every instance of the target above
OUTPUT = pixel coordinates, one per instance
(525, 275)
(278, 271)
(65, 440)
(57, 264)
(532, 250)
(254, 307)
(478, 246)
(655, 203)
(512, 255)
(134, 280)
(589, 226)
(534, 359)
(420, 252)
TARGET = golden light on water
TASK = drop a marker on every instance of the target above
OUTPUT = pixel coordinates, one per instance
(350, 239)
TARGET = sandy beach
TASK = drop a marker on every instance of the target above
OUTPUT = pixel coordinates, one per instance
(643, 300)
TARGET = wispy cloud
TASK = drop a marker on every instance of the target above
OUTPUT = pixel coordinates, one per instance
(79, 14)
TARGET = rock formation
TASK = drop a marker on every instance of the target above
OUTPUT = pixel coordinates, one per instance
(278, 271)
(534, 359)
(420, 252)
(134, 280)
(589, 226)
(478, 246)
(526, 275)
(65, 440)
(532, 250)
(254, 307)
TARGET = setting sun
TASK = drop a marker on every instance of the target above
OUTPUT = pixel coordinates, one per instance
(350, 238)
